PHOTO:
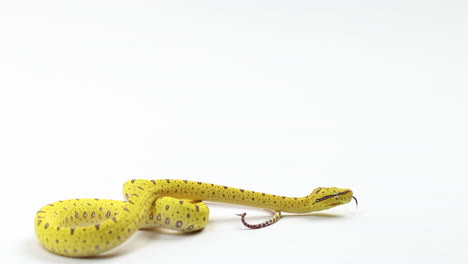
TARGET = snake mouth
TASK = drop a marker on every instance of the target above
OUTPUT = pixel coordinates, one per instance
(340, 203)
(331, 196)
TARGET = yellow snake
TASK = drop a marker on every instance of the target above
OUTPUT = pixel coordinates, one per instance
(88, 227)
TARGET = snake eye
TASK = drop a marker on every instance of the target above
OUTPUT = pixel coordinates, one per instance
(318, 200)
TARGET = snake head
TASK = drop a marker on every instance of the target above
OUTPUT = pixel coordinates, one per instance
(325, 198)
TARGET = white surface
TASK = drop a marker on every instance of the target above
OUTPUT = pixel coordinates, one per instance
(274, 96)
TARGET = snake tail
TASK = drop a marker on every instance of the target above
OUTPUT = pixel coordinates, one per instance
(276, 217)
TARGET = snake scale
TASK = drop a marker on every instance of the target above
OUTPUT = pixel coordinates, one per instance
(88, 227)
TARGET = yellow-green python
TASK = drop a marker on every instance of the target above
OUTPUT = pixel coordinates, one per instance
(88, 227)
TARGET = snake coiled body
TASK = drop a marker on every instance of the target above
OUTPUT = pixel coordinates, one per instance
(87, 227)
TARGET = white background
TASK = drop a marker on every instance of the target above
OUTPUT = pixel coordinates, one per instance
(273, 96)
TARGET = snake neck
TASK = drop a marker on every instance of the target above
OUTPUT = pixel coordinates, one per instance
(184, 189)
